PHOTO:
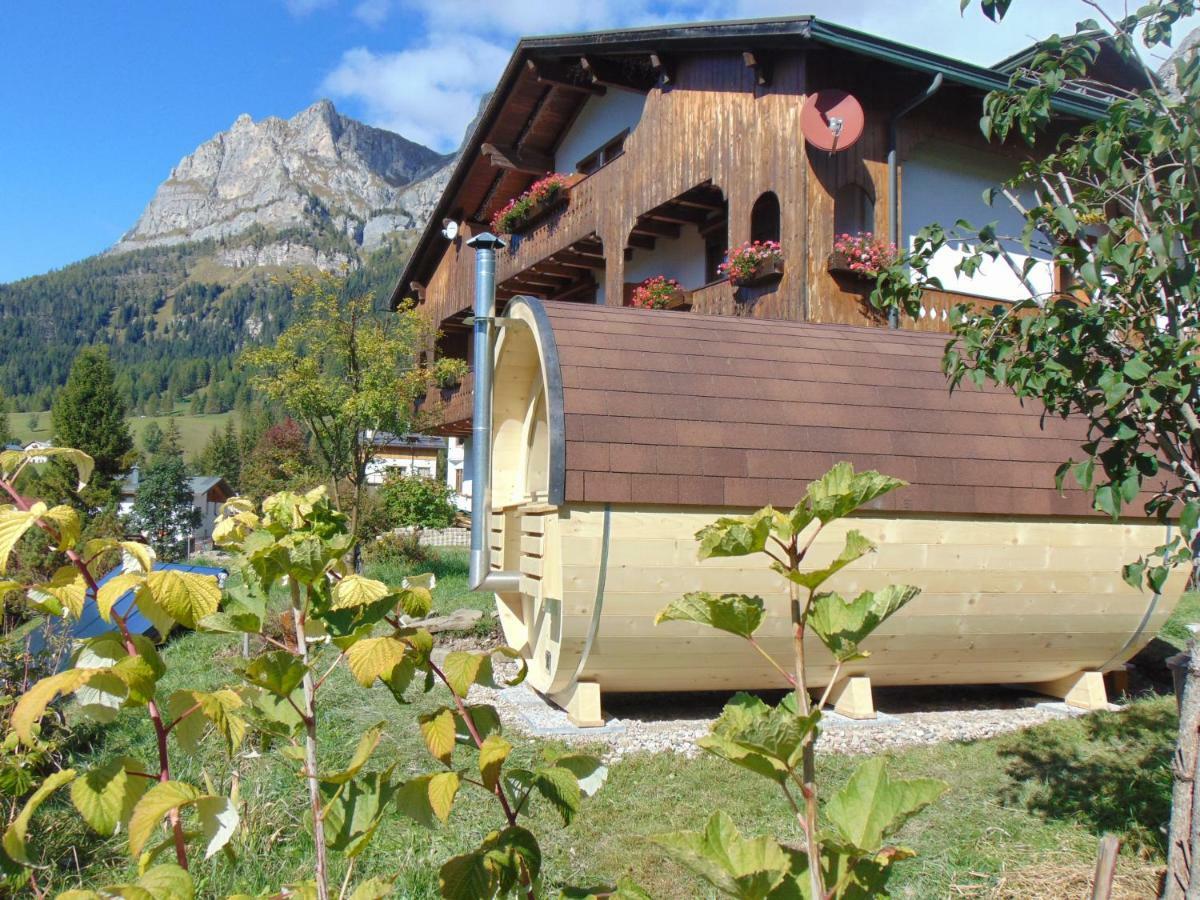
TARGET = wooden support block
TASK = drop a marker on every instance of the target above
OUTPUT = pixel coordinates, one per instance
(582, 704)
(851, 697)
(1083, 690)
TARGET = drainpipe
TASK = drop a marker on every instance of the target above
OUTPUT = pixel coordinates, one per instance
(481, 578)
(894, 174)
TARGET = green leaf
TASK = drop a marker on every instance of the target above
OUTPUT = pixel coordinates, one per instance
(373, 658)
(492, 754)
(841, 491)
(556, 785)
(735, 613)
(495, 868)
(14, 836)
(218, 822)
(185, 596)
(355, 590)
(747, 868)
(588, 771)
(416, 797)
(372, 889)
(105, 795)
(279, 672)
(736, 535)
(354, 810)
(366, 746)
(856, 547)
(463, 669)
(871, 805)
(842, 625)
(220, 708)
(484, 717)
(437, 728)
(167, 882)
(154, 805)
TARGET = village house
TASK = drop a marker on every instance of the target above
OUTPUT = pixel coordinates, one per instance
(406, 454)
(618, 432)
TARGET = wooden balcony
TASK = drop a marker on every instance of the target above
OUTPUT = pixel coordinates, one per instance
(447, 411)
(573, 223)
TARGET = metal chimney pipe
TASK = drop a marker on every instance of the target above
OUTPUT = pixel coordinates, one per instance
(481, 577)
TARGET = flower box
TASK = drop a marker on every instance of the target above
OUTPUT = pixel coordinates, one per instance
(840, 264)
(542, 198)
(770, 270)
(657, 293)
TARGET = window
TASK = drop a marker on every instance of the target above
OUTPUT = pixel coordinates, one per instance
(764, 218)
(853, 210)
(604, 155)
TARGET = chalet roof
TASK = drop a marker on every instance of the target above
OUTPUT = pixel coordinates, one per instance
(516, 98)
(671, 408)
(202, 484)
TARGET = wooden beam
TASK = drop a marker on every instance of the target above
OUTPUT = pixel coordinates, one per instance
(418, 290)
(606, 72)
(659, 229)
(664, 68)
(640, 241)
(550, 268)
(578, 260)
(683, 215)
(550, 73)
(761, 66)
(517, 159)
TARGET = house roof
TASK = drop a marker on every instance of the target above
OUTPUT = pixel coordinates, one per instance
(671, 408)
(425, 441)
(784, 32)
(202, 484)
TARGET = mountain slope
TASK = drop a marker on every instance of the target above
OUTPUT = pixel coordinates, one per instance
(199, 276)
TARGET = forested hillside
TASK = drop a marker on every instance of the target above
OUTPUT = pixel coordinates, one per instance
(174, 318)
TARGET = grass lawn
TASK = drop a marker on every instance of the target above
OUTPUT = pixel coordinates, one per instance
(452, 594)
(193, 430)
(1021, 809)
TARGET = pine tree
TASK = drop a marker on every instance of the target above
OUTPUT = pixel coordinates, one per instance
(163, 509)
(222, 455)
(6, 435)
(152, 439)
(89, 415)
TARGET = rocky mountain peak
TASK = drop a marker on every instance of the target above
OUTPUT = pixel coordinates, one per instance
(318, 170)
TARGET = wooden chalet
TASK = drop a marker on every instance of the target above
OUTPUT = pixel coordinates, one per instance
(616, 433)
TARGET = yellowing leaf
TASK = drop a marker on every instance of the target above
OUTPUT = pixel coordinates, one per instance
(105, 795)
(186, 596)
(492, 755)
(65, 522)
(143, 555)
(14, 835)
(154, 805)
(68, 587)
(355, 590)
(372, 658)
(442, 788)
(463, 669)
(366, 746)
(114, 588)
(32, 704)
(218, 821)
(13, 525)
(438, 730)
(166, 882)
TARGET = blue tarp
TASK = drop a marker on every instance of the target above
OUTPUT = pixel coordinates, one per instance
(90, 623)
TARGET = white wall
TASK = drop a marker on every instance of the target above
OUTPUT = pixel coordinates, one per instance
(944, 183)
(601, 119)
(458, 459)
(681, 259)
(379, 467)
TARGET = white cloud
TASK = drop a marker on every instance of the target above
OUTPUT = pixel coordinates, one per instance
(304, 7)
(427, 93)
(373, 12)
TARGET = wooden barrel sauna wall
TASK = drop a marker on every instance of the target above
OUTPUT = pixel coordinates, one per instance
(619, 433)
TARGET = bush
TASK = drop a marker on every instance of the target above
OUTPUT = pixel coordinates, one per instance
(411, 500)
(400, 548)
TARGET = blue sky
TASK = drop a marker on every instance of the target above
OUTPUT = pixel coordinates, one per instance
(100, 100)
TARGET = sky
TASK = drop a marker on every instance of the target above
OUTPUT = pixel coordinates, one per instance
(100, 100)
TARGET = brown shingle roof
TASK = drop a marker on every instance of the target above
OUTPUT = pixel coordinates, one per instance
(674, 408)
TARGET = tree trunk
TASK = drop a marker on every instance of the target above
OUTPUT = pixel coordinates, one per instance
(1106, 867)
(1185, 817)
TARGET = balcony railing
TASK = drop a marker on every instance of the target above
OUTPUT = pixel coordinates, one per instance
(448, 410)
(559, 229)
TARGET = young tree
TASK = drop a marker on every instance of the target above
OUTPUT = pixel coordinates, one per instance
(1119, 347)
(163, 510)
(89, 415)
(34, 422)
(278, 461)
(6, 435)
(345, 368)
(152, 439)
(222, 455)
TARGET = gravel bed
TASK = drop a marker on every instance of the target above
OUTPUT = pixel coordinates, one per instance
(662, 723)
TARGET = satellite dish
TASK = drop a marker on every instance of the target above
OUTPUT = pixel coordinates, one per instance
(449, 229)
(832, 120)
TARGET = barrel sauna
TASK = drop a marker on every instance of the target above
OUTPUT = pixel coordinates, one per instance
(618, 433)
